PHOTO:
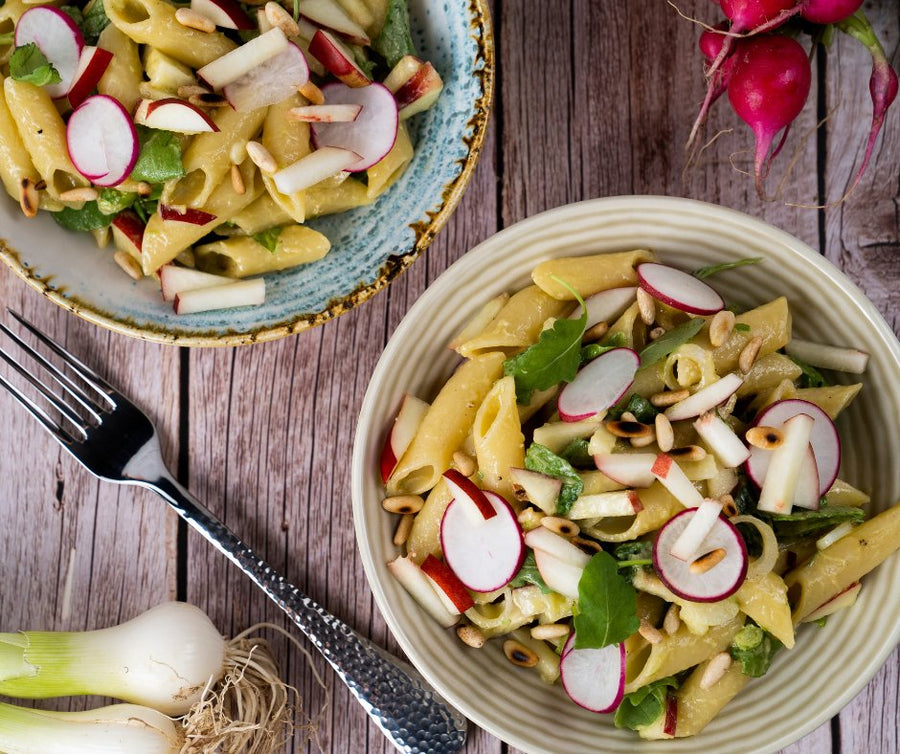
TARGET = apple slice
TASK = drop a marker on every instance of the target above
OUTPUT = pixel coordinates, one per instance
(777, 492)
(806, 493)
(91, 66)
(332, 16)
(473, 500)
(325, 113)
(678, 289)
(412, 411)
(593, 678)
(606, 306)
(314, 168)
(420, 588)
(721, 440)
(844, 599)
(402, 72)
(241, 60)
(628, 469)
(560, 576)
(706, 398)
(447, 583)
(671, 476)
(185, 215)
(228, 296)
(58, 37)
(598, 385)
(603, 504)
(338, 59)
(420, 92)
(559, 547)
(226, 14)
(102, 141)
(539, 489)
(850, 360)
(172, 114)
(687, 546)
(487, 554)
(270, 82)
(174, 280)
(128, 233)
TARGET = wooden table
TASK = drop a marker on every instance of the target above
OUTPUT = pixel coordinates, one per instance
(594, 98)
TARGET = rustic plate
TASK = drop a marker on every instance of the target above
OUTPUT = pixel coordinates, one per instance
(370, 245)
(828, 666)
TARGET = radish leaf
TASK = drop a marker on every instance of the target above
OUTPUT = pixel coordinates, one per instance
(607, 605)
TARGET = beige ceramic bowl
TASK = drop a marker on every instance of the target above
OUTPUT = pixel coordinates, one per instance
(828, 666)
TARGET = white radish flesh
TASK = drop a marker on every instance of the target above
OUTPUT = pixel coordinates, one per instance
(606, 306)
(678, 289)
(102, 141)
(545, 540)
(777, 493)
(58, 37)
(422, 590)
(269, 83)
(172, 114)
(314, 168)
(332, 16)
(806, 493)
(628, 469)
(228, 296)
(598, 385)
(705, 399)
(673, 478)
(472, 499)
(721, 440)
(689, 542)
(850, 360)
(603, 504)
(593, 678)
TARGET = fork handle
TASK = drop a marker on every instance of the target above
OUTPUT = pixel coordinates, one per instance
(393, 693)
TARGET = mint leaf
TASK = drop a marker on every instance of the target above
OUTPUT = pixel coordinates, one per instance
(89, 217)
(713, 269)
(755, 649)
(160, 156)
(95, 20)
(529, 574)
(540, 458)
(268, 238)
(643, 707)
(395, 39)
(112, 202)
(576, 453)
(29, 64)
(742, 327)
(665, 344)
(607, 605)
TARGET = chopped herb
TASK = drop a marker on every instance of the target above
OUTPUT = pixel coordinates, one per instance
(395, 39)
(713, 269)
(542, 459)
(755, 649)
(809, 376)
(95, 21)
(160, 156)
(112, 202)
(89, 217)
(607, 605)
(29, 64)
(576, 453)
(807, 523)
(633, 551)
(529, 574)
(592, 350)
(742, 327)
(645, 706)
(665, 344)
(268, 238)
(643, 410)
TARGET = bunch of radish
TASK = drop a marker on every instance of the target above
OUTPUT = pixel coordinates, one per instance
(756, 58)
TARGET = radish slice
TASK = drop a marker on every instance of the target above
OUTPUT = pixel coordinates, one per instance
(485, 556)
(705, 399)
(560, 576)
(675, 481)
(102, 141)
(271, 82)
(606, 306)
(689, 542)
(226, 14)
(412, 411)
(628, 469)
(678, 289)
(242, 60)
(471, 498)
(598, 385)
(826, 443)
(593, 678)
(685, 579)
(58, 37)
(721, 440)
(374, 131)
(91, 66)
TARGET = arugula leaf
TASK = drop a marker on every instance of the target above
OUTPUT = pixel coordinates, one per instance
(644, 411)
(592, 350)
(160, 156)
(665, 344)
(541, 458)
(395, 39)
(643, 707)
(806, 523)
(268, 238)
(810, 376)
(89, 217)
(607, 605)
(576, 453)
(529, 574)
(705, 272)
(29, 64)
(112, 202)
(95, 21)
(754, 648)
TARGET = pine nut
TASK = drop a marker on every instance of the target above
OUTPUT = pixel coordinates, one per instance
(208, 99)
(669, 397)
(688, 453)
(720, 327)
(627, 416)
(715, 670)
(471, 636)
(586, 544)
(191, 89)
(749, 354)
(28, 197)
(144, 189)
(629, 429)
(665, 435)
(593, 334)
(403, 504)
(560, 525)
(261, 157)
(549, 631)
(646, 306)
(529, 518)
(672, 621)
(312, 93)
(193, 20)
(237, 181)
(767, 438)
(518, 654)
(642, 442)
(278, 16)
(656, 333)
(465, 464)
(650, 633)
(86, 194)
(729, 507)
(404, 526)
(128, 265)
(709, 561)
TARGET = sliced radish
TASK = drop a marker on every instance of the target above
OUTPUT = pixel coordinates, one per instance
(404, 428)
(228, 296)
(421, 589)
(706, 398)
(447, 583)
(603, 504)
(102, 141)
(825, 441)
(688, 580)
(785, 464)
(678, 289)
(540, 489)
(314, 168)
(487, 554)
(675, 481)
(850, 360)
(598, 385)
(91, 66)
(845, 599)
(689, 542)
(226, 14)
(338, 59)
(593, 678)
(325, 113)
(270, 82)
(472, 499)
(174, 280)
(241, 60)
(560, 576)
(188, 215)
(173, 114)
(722, 440)
(372, 134)
(606, 306)
(58, 37)
(329, 14)
(628, 469)
(559, 547)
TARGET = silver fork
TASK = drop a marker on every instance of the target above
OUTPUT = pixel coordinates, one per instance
(116, 441)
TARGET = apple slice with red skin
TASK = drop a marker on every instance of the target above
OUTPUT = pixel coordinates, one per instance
(58, 37)
(473, 499)
(173, 114)
(840, 601)
(806, 493)
(91, 66)
(241, 60)
(174, 280)
(420, 92)
(448, 582)
(269, 83)
(560, 576)
(687, 546)
(325, 113)
(185, 215)
(404, 428)
(628, 469)
(539, 489)
(229, 296)
(128, 232)
(226, 14)
(673, 478)
(678, 289)
(332, 16)
(593, 678)
(705, 399)
(337, 59)
(102, 141)
(420, 588)
(603, 504)
(598, 385)
(402, 72)
(721, 439)
(783, 473)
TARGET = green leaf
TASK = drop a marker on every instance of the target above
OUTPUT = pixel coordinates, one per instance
(755, 649)
(592, 350)
(95, 21)
(362, 60)
(89, 217)
(576, 453)
(29, 64)
(665, 344)
(607, 605)
(742, 327)
(73, 12)
(395, 39)
(540, 458)
(268, 238)
(529, 574)
(160, 156)
(643, 707)
(112, 202)
(713, 269)
(806, 523)
(643, 410)
(810, 376)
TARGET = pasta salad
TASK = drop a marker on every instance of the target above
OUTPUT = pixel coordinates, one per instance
(199, 139)
(634, 487)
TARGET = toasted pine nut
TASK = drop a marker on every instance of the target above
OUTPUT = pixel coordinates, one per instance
(672, 621)
(530, 518)
(650, 633)
(190, 90)
(593, 334)
(656, 333)
(642, 442)
(278, 16)
(668, 398)
(749, 354)
(729, 507)
(586, 544)
(144, 189)
(560, 525)
(471, 636)
(404, 526)
(193, 20)
(646, 306)
(715, 670)
(312, 93)
(86, 194)
(464, 463)
(518, 654)
(28, 197)
(720, 327)
(403, 503)
(549, 631)
(665, 436)
(767, 438)
(208, 99)
(629, 429)
(237, 180)
(688, 453)
(128, 265)
(261, 157)
(709, 561)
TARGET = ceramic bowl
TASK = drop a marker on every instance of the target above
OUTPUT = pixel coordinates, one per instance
(828, 666)
(370, 245)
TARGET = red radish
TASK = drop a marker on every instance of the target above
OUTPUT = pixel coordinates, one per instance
(420, 92)
(671, 476)
(91, 66)
(628, 469)
(332, 16)
(543, 540)
(721, 440)
(690, 581)
(691, 539)
(270, 82)
(421, 589)
(185, 215)
(828, 11)
(448, 583)
(174, 280)
(58, 37)
(598, 385)
(325, 113)
(711, 44)
(606, 306)
(372, 134)
(412, 411)
(338, 59)
(313, 168)
(603, 504)
(102, 141)
(128, 232)
(706, 398)
(226, 14)
(173, 114)
(539, 489)
(593, 678)
(678, 289)
(228, 296)
(768, 89)
(487, 554)
(473, 500)
(560, 576)
(241, 60)
(754, 15)
(785, 464)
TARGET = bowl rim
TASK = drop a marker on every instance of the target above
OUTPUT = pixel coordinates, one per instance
(361, 466)
(481, 27)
